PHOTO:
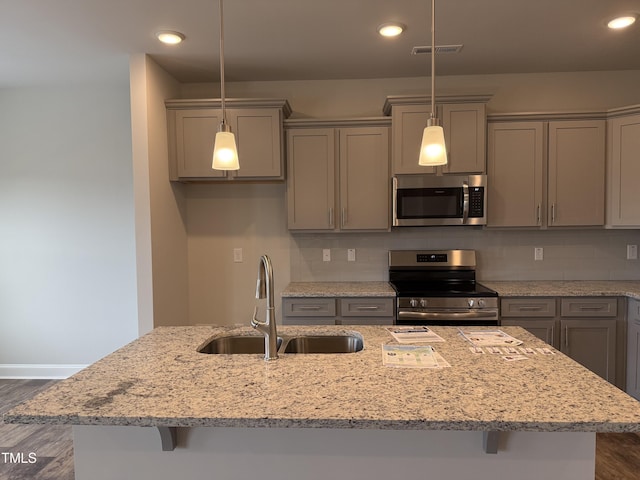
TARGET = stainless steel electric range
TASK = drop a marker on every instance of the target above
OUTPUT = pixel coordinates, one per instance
(438, 287)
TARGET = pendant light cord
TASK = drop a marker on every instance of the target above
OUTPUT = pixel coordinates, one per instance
(224, 118)
(433, 58)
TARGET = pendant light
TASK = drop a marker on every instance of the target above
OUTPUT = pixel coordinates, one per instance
(433, 151)
(225, 153)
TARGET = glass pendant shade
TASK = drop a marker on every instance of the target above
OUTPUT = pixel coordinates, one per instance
(433, 151)
(225, 153)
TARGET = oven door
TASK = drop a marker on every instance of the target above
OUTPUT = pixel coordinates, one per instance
(448, 317)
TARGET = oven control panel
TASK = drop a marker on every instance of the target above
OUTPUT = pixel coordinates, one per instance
(448, 302)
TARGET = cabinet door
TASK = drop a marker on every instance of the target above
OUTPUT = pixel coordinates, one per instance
(195, 136)
(311, 179)
(624, 172)
(633, 350)
(543, 328)
(364, 178)
(591, 342)
(576, 173)
(465, 133)
(258, 134)
(408, 122)
(515, 174)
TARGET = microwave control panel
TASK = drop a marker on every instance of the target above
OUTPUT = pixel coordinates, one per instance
(476, 202)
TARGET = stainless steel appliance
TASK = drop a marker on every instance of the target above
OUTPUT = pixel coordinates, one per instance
(438, 287)
(420, 200)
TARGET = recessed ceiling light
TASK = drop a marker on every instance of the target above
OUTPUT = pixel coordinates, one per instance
(169, 37)
(621, 22)
(391, 29)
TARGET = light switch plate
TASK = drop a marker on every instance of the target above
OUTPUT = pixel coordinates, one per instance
(326, 255)
(538, 253)
(237, 255)
(632, 252)
(351, 255)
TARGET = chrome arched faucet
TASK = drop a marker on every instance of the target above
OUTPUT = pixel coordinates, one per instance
(264, 289)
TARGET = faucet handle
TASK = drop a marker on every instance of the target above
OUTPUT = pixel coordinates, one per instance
(254, 321)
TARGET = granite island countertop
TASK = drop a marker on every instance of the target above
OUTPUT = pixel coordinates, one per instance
(161, 380)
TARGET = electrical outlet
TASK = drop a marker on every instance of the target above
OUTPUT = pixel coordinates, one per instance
(237, 255)
(326, 255)
(351, 255)
(632, 252)
(538, 253)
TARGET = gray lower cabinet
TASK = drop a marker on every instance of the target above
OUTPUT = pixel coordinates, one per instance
(338, 311)
(537, 315)
(633, 348)
(587, 329)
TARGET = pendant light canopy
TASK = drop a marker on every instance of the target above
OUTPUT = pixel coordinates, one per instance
(225, 153)
(433, 151)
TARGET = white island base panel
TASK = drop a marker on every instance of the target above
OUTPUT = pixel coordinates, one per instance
(125, 453)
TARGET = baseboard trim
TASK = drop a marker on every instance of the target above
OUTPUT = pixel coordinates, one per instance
(36, 371)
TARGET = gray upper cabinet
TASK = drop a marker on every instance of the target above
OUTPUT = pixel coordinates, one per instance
(463, 120)
(338, 178)
(311, 179)
(576, 173)
(257, 125)
(515, 174)
(546, 174)
(623, 170)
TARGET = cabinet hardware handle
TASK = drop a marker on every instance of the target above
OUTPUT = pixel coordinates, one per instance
(529, 309)
(553, 213)
(566, 337)
(344, 217)
(538, 222)
(591, 309)
(367, 307)
(331, 216)
(309, 307)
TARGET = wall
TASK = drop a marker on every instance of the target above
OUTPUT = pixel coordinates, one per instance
(67, 254)
(160, 205)
(216, 224)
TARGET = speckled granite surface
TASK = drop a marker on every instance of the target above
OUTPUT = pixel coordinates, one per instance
(339, 289)
(161, 380)
(568, 288)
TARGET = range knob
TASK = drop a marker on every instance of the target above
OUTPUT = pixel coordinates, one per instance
(482, 303)
(470, 302)
(423, 302)
(413, 302)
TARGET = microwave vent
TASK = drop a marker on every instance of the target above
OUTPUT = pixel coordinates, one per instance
(440, 49)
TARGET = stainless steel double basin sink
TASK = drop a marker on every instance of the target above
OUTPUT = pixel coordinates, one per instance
(253, 344)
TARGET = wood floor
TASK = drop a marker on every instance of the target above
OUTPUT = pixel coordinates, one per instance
(617, 454)
(32, 452)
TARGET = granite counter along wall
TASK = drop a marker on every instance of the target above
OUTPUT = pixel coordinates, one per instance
(502, 254)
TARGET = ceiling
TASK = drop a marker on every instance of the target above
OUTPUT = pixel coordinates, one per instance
(53, 41)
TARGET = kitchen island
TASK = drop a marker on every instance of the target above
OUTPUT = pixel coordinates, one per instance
(323, 415)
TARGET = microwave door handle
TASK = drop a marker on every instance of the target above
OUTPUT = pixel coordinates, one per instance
(465, 202)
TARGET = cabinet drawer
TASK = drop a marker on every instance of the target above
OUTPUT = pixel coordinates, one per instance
(589, 307)
(309, 307)
(367, 307)
(528, 307)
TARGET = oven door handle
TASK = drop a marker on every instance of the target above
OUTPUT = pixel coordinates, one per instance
(446, 315)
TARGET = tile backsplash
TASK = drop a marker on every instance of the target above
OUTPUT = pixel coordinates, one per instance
(501, 254)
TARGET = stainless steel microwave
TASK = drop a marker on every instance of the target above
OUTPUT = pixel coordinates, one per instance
(420, 200)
